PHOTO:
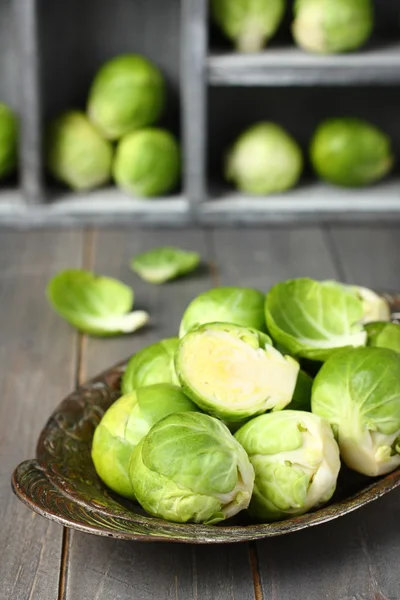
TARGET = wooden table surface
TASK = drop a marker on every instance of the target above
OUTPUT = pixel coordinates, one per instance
(41, 360)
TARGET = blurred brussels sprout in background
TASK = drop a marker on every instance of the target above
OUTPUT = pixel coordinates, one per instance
(240, 306)
(248, 23)
(76, 154)
(350, 152)
(189, 467)
(358, 392)
(384, 335)
(162, 264)
(154, 364)
(233, 372)
(94, 304)
(332, 26)
(125, 423)
(313, 319)
(8, 141)
(265, 159)
(147, 162)
(296, 463)
(126, 94)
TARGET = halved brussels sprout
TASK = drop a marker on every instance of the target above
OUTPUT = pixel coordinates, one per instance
(94, 304)
(384, 335)
(127, 94)
(76, 153)
(240, 306)
(154, 364)
(234, 373)
(296, 463)
(8, 141)
(332, 26)
(313, 319)
(125, 423)
(358, 392)
(265, 159)
(248, 23)
(162, 264)
(189, 467)
(350, 152)
(147, 163)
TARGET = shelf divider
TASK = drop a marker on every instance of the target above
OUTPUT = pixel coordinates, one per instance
(194, 100)
(29, 100)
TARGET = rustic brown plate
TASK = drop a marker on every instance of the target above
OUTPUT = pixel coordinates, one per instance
(61, 483)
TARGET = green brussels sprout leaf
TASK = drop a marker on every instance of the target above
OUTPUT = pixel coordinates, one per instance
(296, 463)
(163, 264)
(154, 364)
(189, 467)
(240, 306)
(314, 319)
(358, 392)
(94, 304)
(384, 335)
(124, 424)
(233, 372)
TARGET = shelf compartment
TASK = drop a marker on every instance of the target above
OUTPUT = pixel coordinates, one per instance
(290, 66)
(311, 203)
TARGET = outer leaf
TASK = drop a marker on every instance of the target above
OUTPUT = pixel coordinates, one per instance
(94, 304)
(314, 319)
(384, 335)
(154, 364)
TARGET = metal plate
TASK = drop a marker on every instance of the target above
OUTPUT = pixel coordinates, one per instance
(61, 483)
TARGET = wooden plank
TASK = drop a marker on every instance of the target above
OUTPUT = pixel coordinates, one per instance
(104, 569)
(37, 368)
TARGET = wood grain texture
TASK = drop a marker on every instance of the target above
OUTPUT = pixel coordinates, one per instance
(37, 367)
(104, 569)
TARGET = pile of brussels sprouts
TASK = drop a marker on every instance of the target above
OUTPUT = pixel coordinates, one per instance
(346, 152)
(8, 141)
(320, 26)
(256, 404)
(116, 137)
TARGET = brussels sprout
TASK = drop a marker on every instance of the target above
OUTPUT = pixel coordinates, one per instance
(384, 335)
(154, 364)
(240, 306)
(147, 163)
(332, 26)
(296, 463)
(302, 393)
(125, 423)
(76, 154)
(189, 467)
(358, 392)
(8, 141)
(94, 304)
(314, 319)
(127, 94)
(265, 159)
(248, 23)
(234, 373)
(376, 308)
(350, 152)
(162, 264)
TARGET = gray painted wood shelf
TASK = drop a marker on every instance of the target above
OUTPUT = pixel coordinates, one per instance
(39, 82)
